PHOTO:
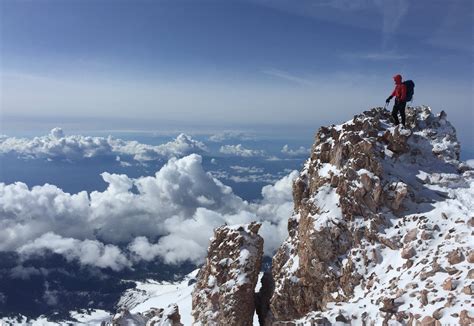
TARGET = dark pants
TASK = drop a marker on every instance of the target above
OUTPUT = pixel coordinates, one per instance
(399, 107)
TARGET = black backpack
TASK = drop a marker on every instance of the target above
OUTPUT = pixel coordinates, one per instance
(410, 85)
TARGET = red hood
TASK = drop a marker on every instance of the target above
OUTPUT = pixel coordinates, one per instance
(397, 79)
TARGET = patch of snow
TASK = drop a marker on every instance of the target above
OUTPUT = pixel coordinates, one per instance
(325, 168)
(327, 201)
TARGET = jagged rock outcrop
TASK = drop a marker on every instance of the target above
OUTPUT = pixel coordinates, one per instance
(367, 236)
(224, 291)
(152, 317)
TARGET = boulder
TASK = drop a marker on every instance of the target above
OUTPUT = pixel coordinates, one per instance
(466, 318)
(408, 252)
(152, 317)
(224, 291)
(455, 257)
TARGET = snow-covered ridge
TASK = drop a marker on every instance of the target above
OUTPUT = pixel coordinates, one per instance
(382, 229)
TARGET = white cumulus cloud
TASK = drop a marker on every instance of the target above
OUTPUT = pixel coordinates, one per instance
(274, 210)
(239, 150)
(87, 252)
(301, 151)
(181, 146)
(56, 145)
(170, 215)
(246, 169)
(231, 135)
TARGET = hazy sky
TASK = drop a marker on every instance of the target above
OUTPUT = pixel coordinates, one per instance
(230, 62)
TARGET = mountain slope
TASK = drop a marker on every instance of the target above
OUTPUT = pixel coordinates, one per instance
(382, 229)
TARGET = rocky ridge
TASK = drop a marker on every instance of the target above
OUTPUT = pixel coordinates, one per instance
(382, 227)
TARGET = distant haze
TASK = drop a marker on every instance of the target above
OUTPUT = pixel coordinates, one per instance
(180, 64)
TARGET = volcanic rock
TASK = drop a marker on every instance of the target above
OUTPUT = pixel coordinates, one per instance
(224, 291)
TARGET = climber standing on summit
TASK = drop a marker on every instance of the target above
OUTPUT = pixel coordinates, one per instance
(400, 93)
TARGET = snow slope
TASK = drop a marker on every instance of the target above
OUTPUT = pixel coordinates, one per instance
(424, 269)
(152, 294)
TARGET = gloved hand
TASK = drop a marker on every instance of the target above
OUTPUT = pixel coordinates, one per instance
(388, 99)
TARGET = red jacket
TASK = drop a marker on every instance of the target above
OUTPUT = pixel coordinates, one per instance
(400, 92)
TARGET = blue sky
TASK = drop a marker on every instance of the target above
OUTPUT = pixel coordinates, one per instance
(230, 63)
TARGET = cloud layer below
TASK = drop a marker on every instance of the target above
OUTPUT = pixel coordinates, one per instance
(239, 150)
(58, 146)
(169, 215)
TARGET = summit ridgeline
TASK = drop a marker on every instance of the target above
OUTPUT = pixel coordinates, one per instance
(382, 226)
(381, 231)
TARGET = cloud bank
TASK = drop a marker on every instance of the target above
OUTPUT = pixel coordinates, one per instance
(58, 146)
(87, 252)
(239, 150)
(231, 135)
(301, 151)
(170, 215)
